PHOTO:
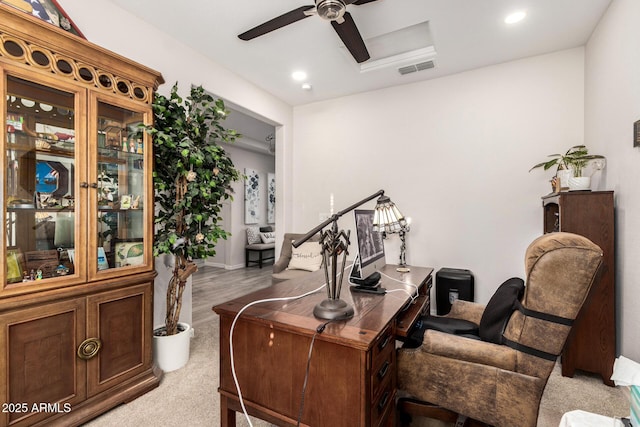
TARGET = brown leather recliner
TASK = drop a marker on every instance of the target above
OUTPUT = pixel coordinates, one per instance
(501, 385)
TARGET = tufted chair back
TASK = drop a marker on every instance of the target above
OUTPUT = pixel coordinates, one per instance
(560, 271)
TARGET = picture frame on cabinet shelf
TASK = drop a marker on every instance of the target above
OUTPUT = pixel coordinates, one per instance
(103, 262)
(15, 265)
(44, 262)
(129, 253)
(125, 201)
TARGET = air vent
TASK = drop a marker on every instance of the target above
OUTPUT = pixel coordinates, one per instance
(426, 65)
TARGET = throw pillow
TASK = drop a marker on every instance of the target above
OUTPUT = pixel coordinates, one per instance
(253, 235)
(268, 237)
(498, 310)
(308, 256)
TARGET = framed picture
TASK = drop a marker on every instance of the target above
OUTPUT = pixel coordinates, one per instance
(54, 178)
(15, 265)
(103, 262)
(51, 12)
(251, 196)
(271, 198)
(125, 201)
(129, 253)
(636, 134)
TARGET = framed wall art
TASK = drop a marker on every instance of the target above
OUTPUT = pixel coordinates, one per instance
(271, 198)
(251, 196)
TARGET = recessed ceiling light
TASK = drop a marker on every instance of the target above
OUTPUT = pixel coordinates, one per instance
(299, 75)
(515, 17)
(306, 86)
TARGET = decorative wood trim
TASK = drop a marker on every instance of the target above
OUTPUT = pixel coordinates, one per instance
(46, 49)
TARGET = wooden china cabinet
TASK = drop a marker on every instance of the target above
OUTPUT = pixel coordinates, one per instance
(76, 290)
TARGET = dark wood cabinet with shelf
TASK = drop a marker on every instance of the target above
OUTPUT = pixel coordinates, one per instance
(591, 347)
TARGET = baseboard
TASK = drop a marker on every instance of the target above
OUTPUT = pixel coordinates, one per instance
(225, 266)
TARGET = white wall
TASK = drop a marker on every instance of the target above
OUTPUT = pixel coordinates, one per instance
(230, 253)
(106, 25)
(457, 149)
(452, 153)
(612, 105)
(112, 28)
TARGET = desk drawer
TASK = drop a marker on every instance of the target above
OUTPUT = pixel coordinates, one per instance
(382, 370)
(385, 341)
(384, 403)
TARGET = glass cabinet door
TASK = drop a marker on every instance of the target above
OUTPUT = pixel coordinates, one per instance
(39, 192)
(121, 186)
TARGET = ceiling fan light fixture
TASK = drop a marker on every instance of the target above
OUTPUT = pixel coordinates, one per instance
(331, 10)
(299, 75)
(515, 17)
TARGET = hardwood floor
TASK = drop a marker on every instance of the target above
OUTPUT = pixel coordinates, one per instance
(213, 286)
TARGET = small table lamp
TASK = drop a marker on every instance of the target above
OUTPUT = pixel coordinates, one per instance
(388, 219)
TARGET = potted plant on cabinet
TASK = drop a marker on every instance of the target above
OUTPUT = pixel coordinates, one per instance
(570, 167)
(192, 178)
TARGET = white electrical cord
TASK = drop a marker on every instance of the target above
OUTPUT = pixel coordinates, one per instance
(233, 324)
(413, 297)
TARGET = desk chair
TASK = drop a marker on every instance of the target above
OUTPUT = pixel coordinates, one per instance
(502, 384)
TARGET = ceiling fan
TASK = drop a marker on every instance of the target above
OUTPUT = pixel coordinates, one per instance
(330, 10)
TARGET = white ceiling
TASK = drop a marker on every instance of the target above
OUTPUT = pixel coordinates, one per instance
(466, 34)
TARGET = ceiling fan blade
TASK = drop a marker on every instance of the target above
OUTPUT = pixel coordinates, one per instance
(360, 2)
(351, 38)
(278, 22)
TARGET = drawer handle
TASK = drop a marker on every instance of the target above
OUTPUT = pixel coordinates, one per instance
(89, 348)
(383, 371)
(384, 400)
(384, 343)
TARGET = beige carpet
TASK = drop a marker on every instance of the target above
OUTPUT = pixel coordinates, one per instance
(189, 397)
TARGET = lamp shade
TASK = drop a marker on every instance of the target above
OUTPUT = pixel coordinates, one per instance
(387, 218)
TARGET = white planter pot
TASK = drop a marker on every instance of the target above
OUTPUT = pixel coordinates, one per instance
(172, 352)
(579, 183)
(564, 175)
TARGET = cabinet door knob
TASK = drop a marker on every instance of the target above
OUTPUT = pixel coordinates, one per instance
(84, 185)
(94, 185)
(89, 348)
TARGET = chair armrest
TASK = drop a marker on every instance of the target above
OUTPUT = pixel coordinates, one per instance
(466, 310)
(469, 350)
(280, 265)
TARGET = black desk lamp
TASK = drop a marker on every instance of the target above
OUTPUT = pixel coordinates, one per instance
(336, 242)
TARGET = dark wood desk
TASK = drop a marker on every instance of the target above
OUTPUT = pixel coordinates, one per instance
(352, 374)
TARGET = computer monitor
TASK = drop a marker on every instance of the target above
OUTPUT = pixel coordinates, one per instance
(371, 256)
